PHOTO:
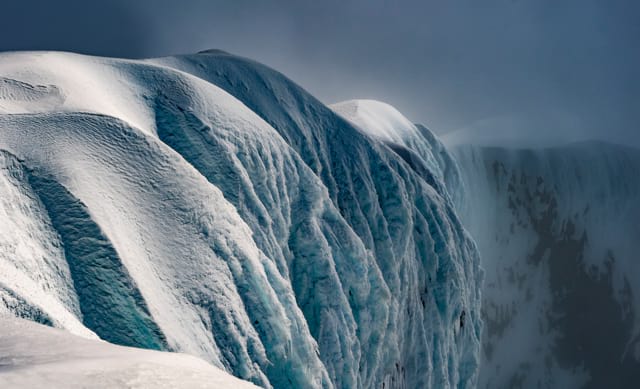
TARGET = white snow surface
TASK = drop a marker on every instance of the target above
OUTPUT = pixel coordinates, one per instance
(379, 119)
(205, 204)
(35, 356)
(413, 142)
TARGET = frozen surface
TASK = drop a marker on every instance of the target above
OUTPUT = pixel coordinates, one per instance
(36, 281)
(414, 143)
(36, 356)
(206, 204)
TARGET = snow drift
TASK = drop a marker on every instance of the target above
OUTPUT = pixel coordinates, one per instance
(35, 356)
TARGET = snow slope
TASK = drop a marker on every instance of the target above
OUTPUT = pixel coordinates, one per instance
(558, 231)
(414, 143)
(33, 356)
(208, 205)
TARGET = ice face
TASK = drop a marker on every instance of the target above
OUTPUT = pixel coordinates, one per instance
(230, 215)
(557, 230)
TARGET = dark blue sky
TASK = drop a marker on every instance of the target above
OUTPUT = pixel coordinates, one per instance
(541, 68)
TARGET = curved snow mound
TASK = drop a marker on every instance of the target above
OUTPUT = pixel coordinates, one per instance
(208, 205)
(378, 119)
(40, 82)
(36, 356)
(414, 143)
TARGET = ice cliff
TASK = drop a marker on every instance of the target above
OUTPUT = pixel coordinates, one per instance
(558, 231)
(208, 205)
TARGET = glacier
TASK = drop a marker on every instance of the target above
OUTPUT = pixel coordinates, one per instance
(557, 228)
(208, 205)
(205, 204)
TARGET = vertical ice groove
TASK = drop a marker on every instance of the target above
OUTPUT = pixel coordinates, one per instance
(110, 303)
(35, 280)
(380, 195)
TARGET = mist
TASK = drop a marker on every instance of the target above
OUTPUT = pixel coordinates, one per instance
(543, 71)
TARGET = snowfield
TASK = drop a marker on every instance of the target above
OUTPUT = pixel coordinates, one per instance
(35, 356)
(205, 204)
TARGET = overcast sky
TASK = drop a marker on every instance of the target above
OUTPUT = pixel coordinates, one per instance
(538, 68)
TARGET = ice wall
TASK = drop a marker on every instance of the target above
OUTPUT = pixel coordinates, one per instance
(230, 215)
(558, 232)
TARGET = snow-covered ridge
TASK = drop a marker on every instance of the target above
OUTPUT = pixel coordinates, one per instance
(206, 204)
(414, 143)
(379, 119)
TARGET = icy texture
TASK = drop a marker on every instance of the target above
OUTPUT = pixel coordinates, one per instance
(238, 219)
(36, 282)
(414, 143)
(35, 356)
(558, 233)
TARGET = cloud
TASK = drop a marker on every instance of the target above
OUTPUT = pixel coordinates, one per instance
(107, 28)
(447, 64)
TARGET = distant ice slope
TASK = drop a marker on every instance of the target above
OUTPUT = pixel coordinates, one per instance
(558, 232)
(206, 204)
(35, 356)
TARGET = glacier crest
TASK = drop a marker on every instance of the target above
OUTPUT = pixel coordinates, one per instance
(247, 224)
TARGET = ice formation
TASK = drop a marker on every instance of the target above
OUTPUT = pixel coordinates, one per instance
(208, 205)
(558, 231)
